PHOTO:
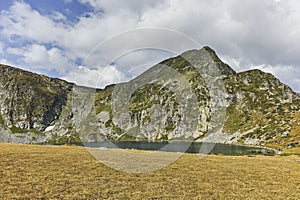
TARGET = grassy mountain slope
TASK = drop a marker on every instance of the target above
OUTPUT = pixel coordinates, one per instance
(194, 96)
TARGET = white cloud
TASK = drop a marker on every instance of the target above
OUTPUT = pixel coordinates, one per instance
(35, 54)
(2, 46)
(29, 24)
(57, 16)
(249, 34)
(40, 58)
(68, 1)
(14, 51)
(96, 78)
(131, 7)
(6, 62)
(234, 63)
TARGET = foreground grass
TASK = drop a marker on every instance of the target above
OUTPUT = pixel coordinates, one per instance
(50, 172)
(295, 151)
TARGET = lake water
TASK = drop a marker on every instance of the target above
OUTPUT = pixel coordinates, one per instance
(188, 147)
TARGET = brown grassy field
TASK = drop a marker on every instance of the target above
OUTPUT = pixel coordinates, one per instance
(66, 172)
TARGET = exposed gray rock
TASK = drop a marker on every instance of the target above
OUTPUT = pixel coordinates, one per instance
(194, 96)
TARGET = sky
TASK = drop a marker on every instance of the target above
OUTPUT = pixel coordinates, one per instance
(98, 42)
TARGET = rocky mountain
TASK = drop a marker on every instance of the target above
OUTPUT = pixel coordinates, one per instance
(193, 96)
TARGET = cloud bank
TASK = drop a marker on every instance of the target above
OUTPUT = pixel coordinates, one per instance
(248, 34)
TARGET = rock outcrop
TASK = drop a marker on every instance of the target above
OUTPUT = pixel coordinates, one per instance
(30, 102)
(194, 96)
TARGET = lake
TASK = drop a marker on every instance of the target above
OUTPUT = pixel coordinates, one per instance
(181, 146)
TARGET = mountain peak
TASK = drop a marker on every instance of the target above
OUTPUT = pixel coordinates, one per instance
(207, 48)
(260, 110)
(206, 56)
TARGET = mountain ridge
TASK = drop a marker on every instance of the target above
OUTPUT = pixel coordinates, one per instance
(252, 107)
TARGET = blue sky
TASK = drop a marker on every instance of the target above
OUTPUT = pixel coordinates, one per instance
(70, 9)
(56, 37)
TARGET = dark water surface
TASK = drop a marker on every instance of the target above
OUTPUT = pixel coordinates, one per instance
(181, 146)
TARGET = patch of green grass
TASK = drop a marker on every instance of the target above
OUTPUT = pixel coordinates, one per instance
(127, 137)
(1, 120)
(102, 107)
(170, 127)
(20, 130)
(73, 139)
(233, 120)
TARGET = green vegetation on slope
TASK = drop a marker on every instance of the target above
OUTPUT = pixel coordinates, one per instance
(262, 103)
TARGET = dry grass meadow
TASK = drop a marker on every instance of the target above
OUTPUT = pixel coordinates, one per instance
(68, 172)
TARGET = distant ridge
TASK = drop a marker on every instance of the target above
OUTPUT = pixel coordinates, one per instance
(259, 109)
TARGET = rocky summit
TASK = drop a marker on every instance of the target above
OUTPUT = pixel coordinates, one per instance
(193, 96)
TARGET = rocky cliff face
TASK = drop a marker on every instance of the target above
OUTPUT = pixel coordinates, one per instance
(30, 102)
(194, 96)
(173, 100)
